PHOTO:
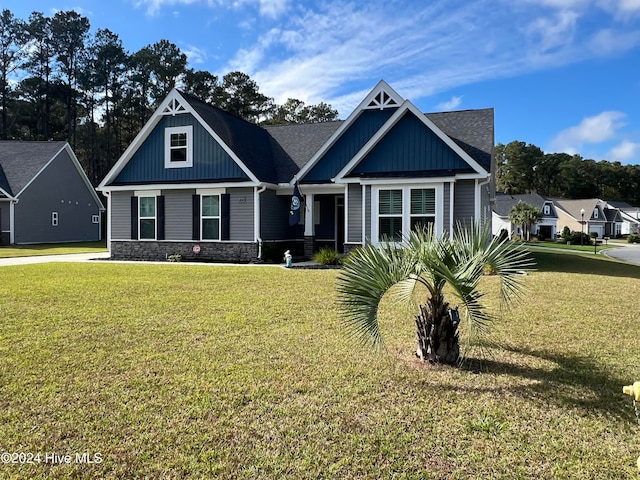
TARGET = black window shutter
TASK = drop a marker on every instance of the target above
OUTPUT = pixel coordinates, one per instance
(224, 217)
(134, 218)
(160, 217)
(196, 216)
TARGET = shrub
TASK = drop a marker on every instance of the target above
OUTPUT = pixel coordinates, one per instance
(575, 238)
(327, 256)
(633, 238)
(593, 234)
(566, 233)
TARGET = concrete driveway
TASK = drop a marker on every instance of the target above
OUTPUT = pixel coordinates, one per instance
(629, 253)
(73, 257)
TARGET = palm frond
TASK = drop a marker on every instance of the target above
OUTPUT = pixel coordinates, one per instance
(367, 275)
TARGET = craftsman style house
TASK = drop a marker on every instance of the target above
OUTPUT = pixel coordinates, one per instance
(45, 196)
(200, 182)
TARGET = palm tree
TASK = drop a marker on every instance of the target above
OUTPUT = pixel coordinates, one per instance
(433, 262)
(525, 215)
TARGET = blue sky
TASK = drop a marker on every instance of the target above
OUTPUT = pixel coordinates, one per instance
(561, 74)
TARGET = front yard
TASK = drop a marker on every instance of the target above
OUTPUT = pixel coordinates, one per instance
(192, 371)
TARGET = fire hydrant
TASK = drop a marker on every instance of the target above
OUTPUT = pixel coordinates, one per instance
(634, 391)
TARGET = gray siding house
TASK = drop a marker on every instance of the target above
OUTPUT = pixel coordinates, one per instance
(202, 183)
(45, 196)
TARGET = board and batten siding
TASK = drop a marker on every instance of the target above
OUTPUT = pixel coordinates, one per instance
(464, 202)
(121, 215)
(241, 208)
(354, 213)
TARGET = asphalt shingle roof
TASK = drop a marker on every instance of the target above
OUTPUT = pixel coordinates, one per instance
(472, 130)
(21, 161)
(275, 153)
(505, 202)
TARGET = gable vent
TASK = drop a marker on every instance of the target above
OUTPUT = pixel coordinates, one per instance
(383, 100)
(174, 107)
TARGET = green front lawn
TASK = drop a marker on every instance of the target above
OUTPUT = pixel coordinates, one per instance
(192, 371)
(564, 246)
(52, 249)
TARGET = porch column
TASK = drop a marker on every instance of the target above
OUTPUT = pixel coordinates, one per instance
(309, 222)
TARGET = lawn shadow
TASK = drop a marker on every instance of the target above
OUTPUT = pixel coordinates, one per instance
(575, 381)
(584, 264)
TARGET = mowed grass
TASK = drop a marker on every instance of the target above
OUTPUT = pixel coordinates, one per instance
(191, 371)
(52, 249)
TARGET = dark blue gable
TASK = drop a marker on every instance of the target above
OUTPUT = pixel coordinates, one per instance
(349, 143)
(210, 162)
(410, 147)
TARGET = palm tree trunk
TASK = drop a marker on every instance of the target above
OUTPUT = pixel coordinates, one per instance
(437, 332)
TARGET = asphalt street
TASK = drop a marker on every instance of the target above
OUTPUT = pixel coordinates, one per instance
(630, 253)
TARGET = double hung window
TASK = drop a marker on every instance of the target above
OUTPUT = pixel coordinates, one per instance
(210, 217)
(403, 209)
(147, 218)
(178, 147)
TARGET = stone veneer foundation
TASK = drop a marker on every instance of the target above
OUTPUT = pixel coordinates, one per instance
(209, 251)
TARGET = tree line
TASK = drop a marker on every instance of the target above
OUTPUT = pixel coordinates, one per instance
(525, 168)
(61, 81)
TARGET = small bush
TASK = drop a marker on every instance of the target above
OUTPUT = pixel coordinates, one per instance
(327, 256)
(575, 238)
(176, 257)
(633, 238)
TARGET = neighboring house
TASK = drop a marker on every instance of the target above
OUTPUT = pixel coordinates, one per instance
(198, 181)
(589, 215)
(629, 215)
(545, 228)
(45, 196)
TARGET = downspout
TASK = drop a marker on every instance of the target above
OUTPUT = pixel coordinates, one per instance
(256, 218)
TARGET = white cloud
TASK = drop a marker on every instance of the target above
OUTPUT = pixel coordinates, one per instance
(549, 33)
(597, 129)
(625, 152)
(194, 54)
(621, 9)
(452, 104)
(269, 8)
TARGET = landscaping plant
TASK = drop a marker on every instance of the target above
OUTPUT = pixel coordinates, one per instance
(433, 262)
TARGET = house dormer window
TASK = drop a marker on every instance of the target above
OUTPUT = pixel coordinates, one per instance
(178, 147)
(595, 213)
(547, 210)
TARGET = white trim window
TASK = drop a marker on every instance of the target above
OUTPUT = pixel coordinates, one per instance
(400, 209)
(210, 217)
(147, 218)
(595, 213)
(178, 147)
(54, 219)
(95, 218)
(547, 209)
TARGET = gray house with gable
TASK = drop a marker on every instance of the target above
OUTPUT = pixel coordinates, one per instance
(45, 196)
(202, 183)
